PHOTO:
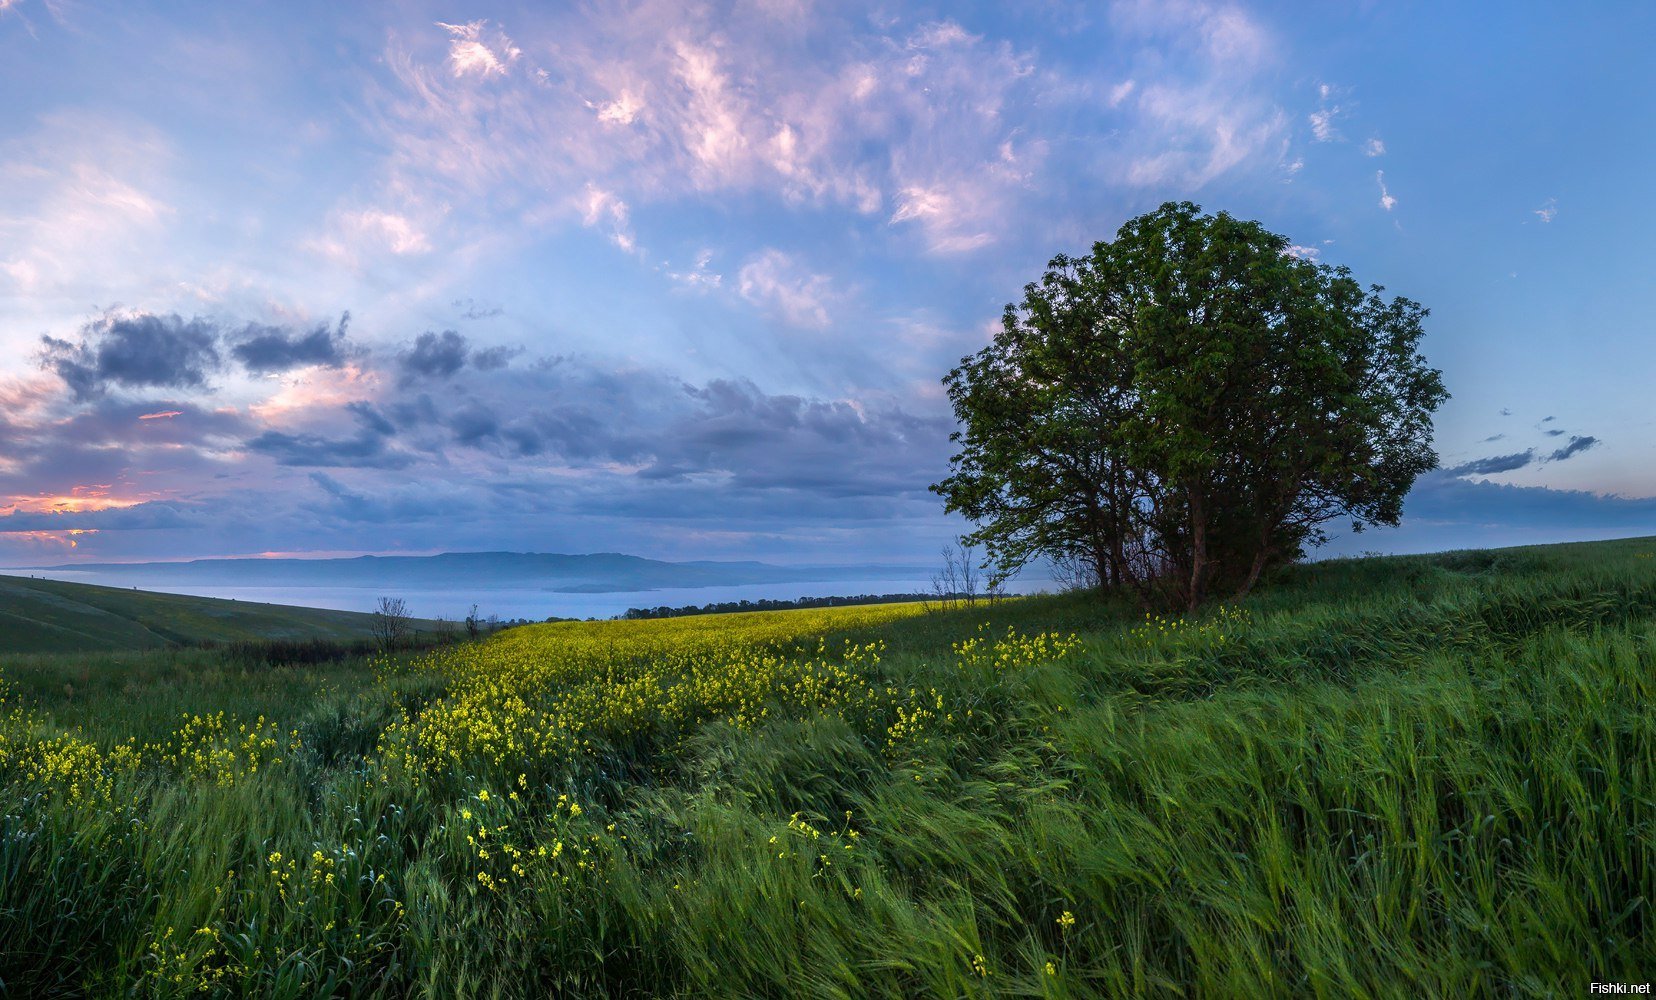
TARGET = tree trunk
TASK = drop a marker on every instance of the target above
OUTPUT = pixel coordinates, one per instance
(1200, 567)
(1252, 578)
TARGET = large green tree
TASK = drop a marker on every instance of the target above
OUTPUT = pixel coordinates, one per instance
(1186, 406)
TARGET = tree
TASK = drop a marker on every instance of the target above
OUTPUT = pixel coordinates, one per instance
(1186, 407)
(474, 624)
(391, 622)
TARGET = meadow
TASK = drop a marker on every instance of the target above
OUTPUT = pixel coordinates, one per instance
(1414, 776)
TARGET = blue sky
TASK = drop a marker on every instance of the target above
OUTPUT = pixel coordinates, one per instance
(681, 279)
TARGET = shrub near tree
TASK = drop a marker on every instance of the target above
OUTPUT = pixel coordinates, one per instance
(1186, 407)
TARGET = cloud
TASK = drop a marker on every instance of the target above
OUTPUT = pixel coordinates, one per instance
(1548, 210)
(601, 207)
(139, 350)
(365, 450)
(1577, 444)
(471, 54)
(266, 349)
(1447, 512)
(1387, 202)
(1494, 465)
(774, 280)
(1303, 253)
(396, 232)
(435, 356)
(1374, 147)
(944, 217)
(472, 309)
(85, 208)
(1322, 124)
(151, 516)
(700, 276)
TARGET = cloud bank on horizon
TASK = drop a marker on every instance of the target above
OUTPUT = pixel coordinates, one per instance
(682, 279)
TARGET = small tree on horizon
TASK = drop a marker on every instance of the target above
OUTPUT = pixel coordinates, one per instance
(391, 623)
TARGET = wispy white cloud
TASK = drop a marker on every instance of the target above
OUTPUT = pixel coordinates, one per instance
(471, 53)
(1322, 124)
(1374, 147)
(397, 233)
(1387, 202)
(699, 276)
(86, 205)
(1303, 253)
(941, 214)
(603, 208)
(662, 103)
(1200, 110)
(1548, 210)
(774, 281)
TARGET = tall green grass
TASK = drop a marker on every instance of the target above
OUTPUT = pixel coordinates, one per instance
(1392, 778)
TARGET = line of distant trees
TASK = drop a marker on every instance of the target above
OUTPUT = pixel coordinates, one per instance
(765, 604)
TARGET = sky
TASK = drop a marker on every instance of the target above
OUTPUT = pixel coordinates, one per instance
(681, 279)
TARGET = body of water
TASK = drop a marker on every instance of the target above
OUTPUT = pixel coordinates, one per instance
(533, 604)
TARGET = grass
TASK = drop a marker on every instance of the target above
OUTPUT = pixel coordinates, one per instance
(1388, 777)
(51, 616)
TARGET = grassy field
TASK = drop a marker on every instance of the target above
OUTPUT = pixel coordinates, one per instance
(48, 616)
(1400, 777)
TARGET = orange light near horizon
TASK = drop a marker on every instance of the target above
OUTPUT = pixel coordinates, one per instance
(80, 499)
(51, 539)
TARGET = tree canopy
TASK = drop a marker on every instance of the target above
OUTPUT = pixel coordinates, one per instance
(1186, 407)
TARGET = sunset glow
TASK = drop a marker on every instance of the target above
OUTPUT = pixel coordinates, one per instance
(683, 280)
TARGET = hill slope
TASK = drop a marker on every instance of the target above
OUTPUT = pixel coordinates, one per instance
(49, 616)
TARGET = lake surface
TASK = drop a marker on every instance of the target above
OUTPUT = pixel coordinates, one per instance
(534, 604)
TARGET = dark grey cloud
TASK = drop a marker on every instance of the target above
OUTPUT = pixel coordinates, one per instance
(474, 424)
(492, 358)
(370, 447)
(266, 349)
(472, 309)
(135, 352)
(1555, 432)
(1494, 464)
(372, 420)
(1444, 511)
(438, 356)
(435, 355)
(1576, 446)
(314, 450)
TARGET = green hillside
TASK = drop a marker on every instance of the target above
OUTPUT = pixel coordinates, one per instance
(1424, 776)
(50, 616)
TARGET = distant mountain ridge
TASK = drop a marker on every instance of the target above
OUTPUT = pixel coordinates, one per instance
(600, 572)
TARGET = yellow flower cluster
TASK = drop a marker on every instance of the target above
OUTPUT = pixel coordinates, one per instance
(1011, 651)
(218, 748)
(1225, 621)
(67, 765)
(211, 747)
(541, 693)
